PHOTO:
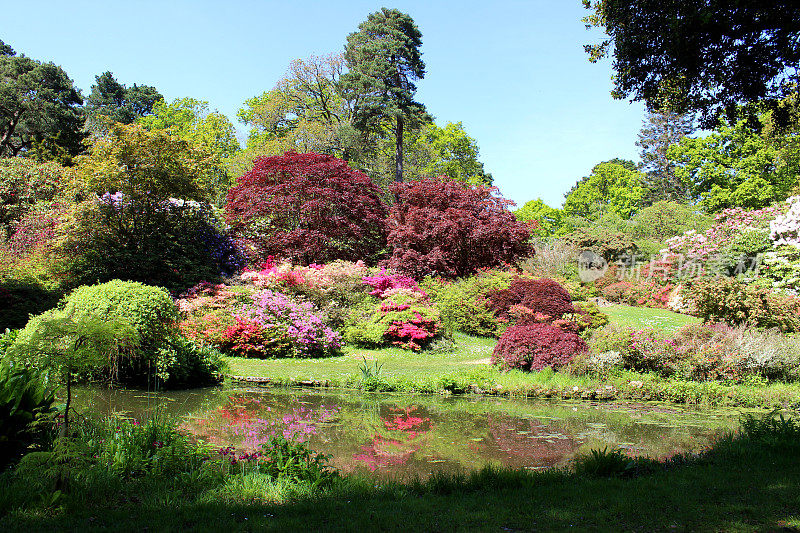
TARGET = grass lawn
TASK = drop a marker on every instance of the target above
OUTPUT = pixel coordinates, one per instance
(645, 317)
(467, 370)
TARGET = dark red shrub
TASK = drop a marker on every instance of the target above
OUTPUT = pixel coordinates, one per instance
(535, 346)
(447, 228)
(543, 296)
(309, 208)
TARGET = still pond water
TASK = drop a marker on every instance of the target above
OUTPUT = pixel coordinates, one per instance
(400, 435)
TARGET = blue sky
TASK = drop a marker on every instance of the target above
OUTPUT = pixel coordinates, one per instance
(514, 72)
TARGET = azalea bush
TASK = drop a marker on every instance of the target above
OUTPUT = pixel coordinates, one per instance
(443, 227)
(274, 325)
(398, 312)
(535, 346)
(699, 352)
(308, 208)
(733, 302)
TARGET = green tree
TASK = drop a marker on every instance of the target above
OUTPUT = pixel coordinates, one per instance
(733, 167)
(547, 219)
(112, 101)
(65, 346)
(384, 60)
(41, 113)
(689, 56)
(659, 132)
(209, 133)
(611, 187)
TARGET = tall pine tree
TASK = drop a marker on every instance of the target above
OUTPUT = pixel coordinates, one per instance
(659, 132)
(384, 60)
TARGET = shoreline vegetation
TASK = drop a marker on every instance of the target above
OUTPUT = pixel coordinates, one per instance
(467, 371)
(123, 489)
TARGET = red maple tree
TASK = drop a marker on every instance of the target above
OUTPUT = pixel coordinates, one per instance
(447, 228)
(309, 208)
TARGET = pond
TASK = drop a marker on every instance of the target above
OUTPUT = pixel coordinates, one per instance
(402, 435)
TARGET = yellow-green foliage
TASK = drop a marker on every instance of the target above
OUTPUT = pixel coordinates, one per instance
(462, 303)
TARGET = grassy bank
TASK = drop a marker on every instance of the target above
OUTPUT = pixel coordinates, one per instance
(467, 371)
(746, 482)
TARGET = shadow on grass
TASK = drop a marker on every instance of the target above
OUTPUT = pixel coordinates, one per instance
(745, 491)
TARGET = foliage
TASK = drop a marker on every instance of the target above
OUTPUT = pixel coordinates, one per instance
(611, 187)
(732, 167)
(545, 220)
(40, 110)
(162, 353)
(442, 227)
(463, 302)
(403, 317)
(665, 219)
(552, 258)
(588, 316)
(659, 132)
(540, 296)
(733, 302)
(173, 244)
(309, 208)
(26, 408)
(24, 184)
(147, 167)
(275, 326)
(383, 61)
(111, 101)
(697, 56)
(606, 242)
(534, 346)
(62, 345)
(210, 133)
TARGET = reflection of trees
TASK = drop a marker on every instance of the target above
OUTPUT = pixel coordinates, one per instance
(247, 422)
(402, 427)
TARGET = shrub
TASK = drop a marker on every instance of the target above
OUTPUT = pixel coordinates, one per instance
(162, 352)
(25, 183)
(463, 303)
(782, 266)
(276, 326)
(174, 243)
(606, 242)
(543, 296)
(641, 350)
(308, 208)
(733, 302)
(446, 228)
(404, 318)
(535, 346)
(588, 316)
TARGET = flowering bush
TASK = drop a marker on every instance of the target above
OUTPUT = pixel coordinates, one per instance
(785, 229)
(26, 185)
(276, 326)
(534, 346)
(404, 318)
(733, 302)
(446, 228)
(308, 208)
(385, 282)
(782, 266)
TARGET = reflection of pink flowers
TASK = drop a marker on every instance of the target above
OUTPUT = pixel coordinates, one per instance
(381, 452)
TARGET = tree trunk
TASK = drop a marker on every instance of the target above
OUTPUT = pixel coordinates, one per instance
(398, 153)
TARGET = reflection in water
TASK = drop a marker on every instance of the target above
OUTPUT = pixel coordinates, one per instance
(406, 435)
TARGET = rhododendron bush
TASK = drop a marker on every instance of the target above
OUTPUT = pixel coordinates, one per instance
(398, 313)
(443, 227)
(309, 208)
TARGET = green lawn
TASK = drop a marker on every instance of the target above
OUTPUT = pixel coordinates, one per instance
(642, 317)
(467, 370)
